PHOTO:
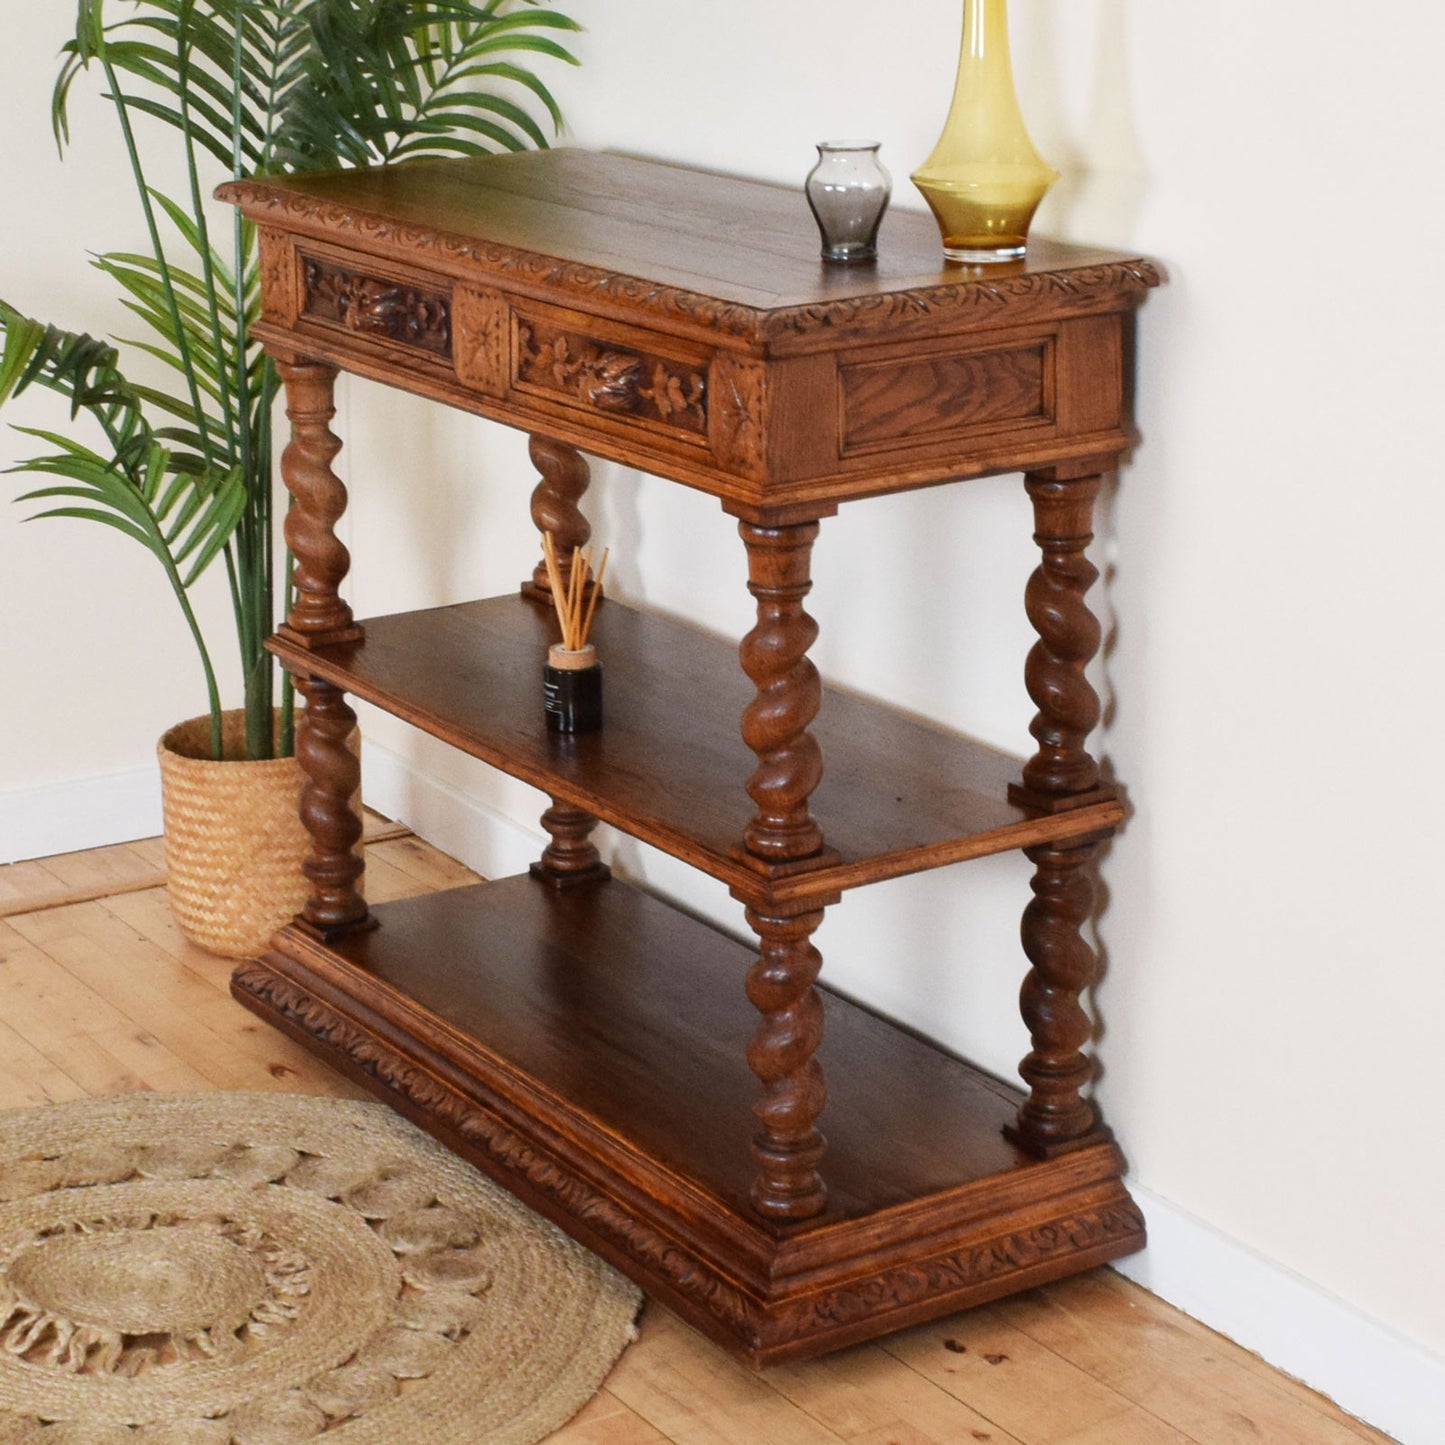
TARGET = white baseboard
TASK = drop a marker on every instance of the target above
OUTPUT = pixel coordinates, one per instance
(1369, 1370)
(485, 840)
(1363, 1366)
(87, 813)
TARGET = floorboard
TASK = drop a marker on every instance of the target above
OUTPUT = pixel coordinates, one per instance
(101, 994)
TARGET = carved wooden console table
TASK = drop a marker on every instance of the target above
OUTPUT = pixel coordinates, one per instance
(648, 1082)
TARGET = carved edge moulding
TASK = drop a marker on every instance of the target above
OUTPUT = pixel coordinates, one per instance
(1026, 297)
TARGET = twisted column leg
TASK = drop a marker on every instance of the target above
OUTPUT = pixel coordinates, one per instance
(333, 776)
(775, 724)
(1055, 1117)
(787, 1146)
(556, 507)
(1061, 773)
(318, 614)
(571, 857)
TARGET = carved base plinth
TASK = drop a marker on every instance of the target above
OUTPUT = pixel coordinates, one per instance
(653, 1175)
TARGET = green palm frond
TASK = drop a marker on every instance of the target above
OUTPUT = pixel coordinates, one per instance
(182, 519)
(81, 368)
(247, 86)
(328, 82)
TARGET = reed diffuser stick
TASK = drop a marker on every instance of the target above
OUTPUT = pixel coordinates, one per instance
(574, 606)
(596, 592)
(554, 577)
(575, 580)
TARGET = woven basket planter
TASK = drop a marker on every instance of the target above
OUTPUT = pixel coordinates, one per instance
(234, 839)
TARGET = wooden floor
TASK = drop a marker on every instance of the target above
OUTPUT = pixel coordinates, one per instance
(99, 994)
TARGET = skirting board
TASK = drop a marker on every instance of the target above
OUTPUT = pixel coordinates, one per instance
(1363, 1366)
(86, 813)
(1370, 1371)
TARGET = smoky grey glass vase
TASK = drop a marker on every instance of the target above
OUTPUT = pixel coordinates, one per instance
(848, 190)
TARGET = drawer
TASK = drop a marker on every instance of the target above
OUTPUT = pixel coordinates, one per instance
(370, 301)
(607, 371)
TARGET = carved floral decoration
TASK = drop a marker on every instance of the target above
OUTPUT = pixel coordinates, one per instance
(371, 306)
(611, 379)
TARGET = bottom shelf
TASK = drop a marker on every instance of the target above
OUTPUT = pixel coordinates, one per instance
(587, 1048)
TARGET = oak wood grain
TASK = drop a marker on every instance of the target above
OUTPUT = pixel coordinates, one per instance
(635, 1015)
(683, 323)
(565, 220)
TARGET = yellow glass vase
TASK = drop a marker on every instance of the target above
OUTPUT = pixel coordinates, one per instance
(984, 180)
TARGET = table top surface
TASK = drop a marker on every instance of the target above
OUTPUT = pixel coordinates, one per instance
(743, 243)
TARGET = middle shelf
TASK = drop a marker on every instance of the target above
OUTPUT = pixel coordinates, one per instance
(669, 765)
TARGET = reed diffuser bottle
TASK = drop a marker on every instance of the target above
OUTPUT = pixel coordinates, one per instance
(984, 180)
(572, 675)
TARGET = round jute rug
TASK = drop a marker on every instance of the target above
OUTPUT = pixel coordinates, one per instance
(260, 1269)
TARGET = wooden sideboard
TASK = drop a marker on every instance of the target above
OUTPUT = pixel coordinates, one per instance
(788, 1171)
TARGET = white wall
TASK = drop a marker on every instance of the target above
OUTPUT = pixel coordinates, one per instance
(1274, 984)
(97, 661)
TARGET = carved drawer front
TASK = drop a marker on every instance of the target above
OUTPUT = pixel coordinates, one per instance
(920, 397)
(359, 297)
(610, 371)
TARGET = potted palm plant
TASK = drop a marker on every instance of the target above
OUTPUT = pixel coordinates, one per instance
(184, 466)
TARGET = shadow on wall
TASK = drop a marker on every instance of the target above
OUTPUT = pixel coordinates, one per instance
(1104, 170)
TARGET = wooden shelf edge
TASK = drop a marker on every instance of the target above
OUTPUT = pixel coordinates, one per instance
(748, 878)
(1062, 827)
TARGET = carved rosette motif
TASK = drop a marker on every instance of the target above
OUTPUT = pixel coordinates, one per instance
(372, 306)
(740, 414)
(280, 304)
(482, 341)
(611, 379)
(1026, 298)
